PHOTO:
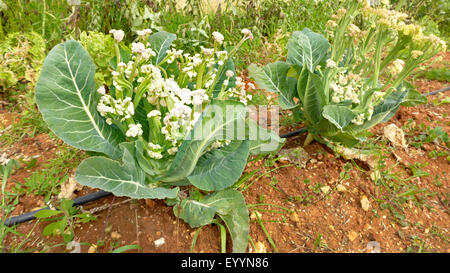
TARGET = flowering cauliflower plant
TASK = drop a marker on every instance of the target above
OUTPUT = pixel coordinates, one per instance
(170, 118)
(356, 77)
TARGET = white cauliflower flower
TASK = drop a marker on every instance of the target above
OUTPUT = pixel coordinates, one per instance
(118, 34)
(144, 32)
(154, 113)
(101, 90)
(331, 63)
(134, 130)
(247, 33)
(218, 37)
(138, 48)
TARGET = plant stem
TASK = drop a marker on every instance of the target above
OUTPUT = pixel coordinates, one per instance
(308, 139)
(43, 18)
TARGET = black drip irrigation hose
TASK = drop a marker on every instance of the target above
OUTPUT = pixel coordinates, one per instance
(438, 91)
(100, 194)
(76, 202)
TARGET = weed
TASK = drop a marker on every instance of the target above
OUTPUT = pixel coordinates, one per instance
(63, 220)
(8, 204)
(319, 242)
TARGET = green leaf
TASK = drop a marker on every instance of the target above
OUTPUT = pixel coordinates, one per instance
(233, 211)
(125, 179)
(47, 213)
(262, 141)
(160, 42)
(65, 95)
(219, 121)
(413, 97)
(126, 248)
(141, 160)
(381, 112)
(220, 168)
(286, 98)
(307, 48)
(340, 116)
(228, 204)
(273, 78)
(311, 87)
(52, 228)
(66, 204)
(195, 213)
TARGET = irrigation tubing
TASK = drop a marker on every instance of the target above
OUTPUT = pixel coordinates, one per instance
(76, 202)
(100, 194)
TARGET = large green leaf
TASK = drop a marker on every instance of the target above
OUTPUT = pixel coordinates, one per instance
(228, 204)
(220, 120)
(220, 168)
(262, 141)
(307, 48)
(233, 211)
(340, 116)
(160, 42)
(125, 179)
(66, 97)
(273, 78)
(195, 213)
(413, 97)
(311, 87)
(381, 112)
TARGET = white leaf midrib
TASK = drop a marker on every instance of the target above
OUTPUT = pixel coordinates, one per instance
(86, 109)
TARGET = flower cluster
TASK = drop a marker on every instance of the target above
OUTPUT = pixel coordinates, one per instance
(172, 98)
(346, 87)
(110, 108)
(378, 59)
(240, 90)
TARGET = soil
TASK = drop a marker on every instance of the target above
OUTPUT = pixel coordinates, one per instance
(328, 213)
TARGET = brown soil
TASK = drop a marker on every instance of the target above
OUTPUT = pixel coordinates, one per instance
(324, 221)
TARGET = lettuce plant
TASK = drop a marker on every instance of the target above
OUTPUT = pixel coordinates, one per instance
(343, 84)
(169, 119)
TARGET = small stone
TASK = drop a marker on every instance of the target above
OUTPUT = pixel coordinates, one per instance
(352, 236)
(294, 217)
(373, 247)
(325, 189)
(365, 204)
(341, 188)
(313, 161)
(115, 235)
(159, 242)
(92, 249)
(260, 247)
